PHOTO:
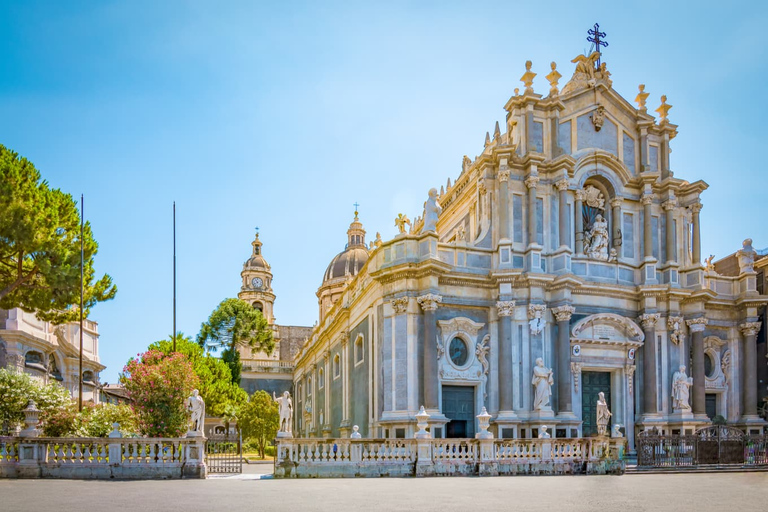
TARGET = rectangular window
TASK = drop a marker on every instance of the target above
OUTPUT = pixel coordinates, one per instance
(628, 236)
(517, 217)
(540, 221)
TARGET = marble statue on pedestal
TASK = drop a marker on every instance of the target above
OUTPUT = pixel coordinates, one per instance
(285, 409)
(196, 406)
(432, 211)
(598, 239)
(681, 384)
(543, 434)
(542, 385)
(603, 414)
(746, 257)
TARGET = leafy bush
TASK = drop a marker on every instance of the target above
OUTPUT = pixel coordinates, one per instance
(93, 421)
(159, 385)
(258, 420)
(719, 420)
(17, 389)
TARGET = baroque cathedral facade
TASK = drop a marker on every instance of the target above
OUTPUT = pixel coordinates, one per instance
(562, 262)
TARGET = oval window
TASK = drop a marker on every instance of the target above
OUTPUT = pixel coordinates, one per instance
(709, 365)
(458, 352)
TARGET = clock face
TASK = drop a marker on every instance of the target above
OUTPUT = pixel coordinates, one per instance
(257, 282)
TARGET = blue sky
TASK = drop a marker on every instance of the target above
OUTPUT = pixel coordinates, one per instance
(282, 115)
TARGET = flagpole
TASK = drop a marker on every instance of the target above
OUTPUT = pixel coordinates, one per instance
(173, 335)
(82, 259)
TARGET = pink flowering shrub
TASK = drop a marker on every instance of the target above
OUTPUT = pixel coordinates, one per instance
(159, 384)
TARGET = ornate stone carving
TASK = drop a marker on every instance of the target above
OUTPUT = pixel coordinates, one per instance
(399, 305)
(580, 195)
(483, 421)
(695, 207)
(459, 324)
(709, 262)
(536, 317)
(608, 328)
(725, 364)
(647, 199)
(562, 185)
(746, 256)
(675, 325)
(440, 348)
(432, 210)
(641, 98)
(598, 117)
(553, 77)
(429, 301)
(681, 384)
(563, 313)
(481, 351)
(616, 202)
(576, 371)
(196, 406)
(401, 221)
(670, 204)
(532, 181)
(602, 414)
(584, 74)
(542, 386)
(594, 197)
(503, 174)
(750, 328)
(481, 188)
(596, 239)
(505, 307)
(663, 109)
(543, 434)
(648, 320)
(697, 324)
(630, 370)
(528, 77)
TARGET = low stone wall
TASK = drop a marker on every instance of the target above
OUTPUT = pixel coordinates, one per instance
(318, 458)
(102, 458)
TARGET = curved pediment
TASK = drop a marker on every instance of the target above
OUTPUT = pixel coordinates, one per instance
(607, 327)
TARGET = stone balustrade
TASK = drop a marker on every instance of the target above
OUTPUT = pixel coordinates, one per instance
(102, 458)
(312, 458)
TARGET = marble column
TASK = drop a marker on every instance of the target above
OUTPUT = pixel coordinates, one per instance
(578, 218)
(616, 214)
(647, 225)
(669, 208)
(429, 304)
(750, 330)
(344, 429)
(650, 383)
(563, 357)
(503, 176)
(565, 235)
(532, 182)
(506, 310)
(698, 397)
(696, 249)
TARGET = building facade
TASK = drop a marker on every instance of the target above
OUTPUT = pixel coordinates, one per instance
(563, 262)
(51, 352)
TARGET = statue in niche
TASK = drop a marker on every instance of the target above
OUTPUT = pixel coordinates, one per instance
(542, 386)
(603, 415)
(432, 211)
(598, 239)
(681, 384)
(285, 409)
(196, 407)
(594, 198)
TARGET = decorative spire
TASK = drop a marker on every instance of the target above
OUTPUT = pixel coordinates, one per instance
(487, 139)
(356, 233)
(528, 77)
(554, 78)
(641, 97)
(496, 132)
(663, 109)
(256, 244)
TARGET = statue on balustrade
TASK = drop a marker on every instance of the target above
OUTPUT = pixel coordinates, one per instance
(597, 239)
(603, 414)
(542, 385)
(285, 409)
(196, 406)
(681, 385)
(432, 210)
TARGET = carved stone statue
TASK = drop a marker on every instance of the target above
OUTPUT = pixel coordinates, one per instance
(432, 211)
(401, 221)
(196, 406)
(710, 263)
(542, 385)
(746, 257)
(598, 118)
(617, 431)
(681, 384)
(535, 318)
(603, 415)
(543, 434)
(598, 239)
(285, 408)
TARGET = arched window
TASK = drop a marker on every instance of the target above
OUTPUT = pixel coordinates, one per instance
(358, 349)
(320, 378)
(309, 386)
(336, 366)
(258, 305)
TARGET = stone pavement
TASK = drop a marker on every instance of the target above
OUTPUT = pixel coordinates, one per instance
(744, 492)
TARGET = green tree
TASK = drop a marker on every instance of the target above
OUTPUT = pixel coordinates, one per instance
(40, 246)
(259, 420)
(17, 389)
(158, 385)
(216, 386)
(234, 324)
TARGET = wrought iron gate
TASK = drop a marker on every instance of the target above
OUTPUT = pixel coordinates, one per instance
(224, 453)
(718, 444)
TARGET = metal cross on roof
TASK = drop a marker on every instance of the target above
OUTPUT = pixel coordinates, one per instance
(257, 230)
(596, 38)
(356, 205)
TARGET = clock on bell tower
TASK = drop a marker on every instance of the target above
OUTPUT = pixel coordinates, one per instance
(256, 287)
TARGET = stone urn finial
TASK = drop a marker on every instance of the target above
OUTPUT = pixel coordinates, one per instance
(484, 421)
(31, 418)
(115, 430)
(355, 432)
(422, 422)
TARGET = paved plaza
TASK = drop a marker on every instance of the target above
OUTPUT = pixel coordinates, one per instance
(629, 493)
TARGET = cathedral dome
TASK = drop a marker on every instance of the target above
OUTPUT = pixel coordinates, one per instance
(352, 258)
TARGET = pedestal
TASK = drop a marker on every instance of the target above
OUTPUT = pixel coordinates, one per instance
(284, 435)
(194, 458)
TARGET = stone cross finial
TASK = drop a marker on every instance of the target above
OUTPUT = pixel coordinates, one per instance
(528, 77)
(641, 97)
(554, 78)
(663, 109)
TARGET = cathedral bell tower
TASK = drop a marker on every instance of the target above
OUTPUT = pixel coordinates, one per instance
(256, 287)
